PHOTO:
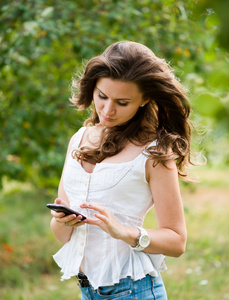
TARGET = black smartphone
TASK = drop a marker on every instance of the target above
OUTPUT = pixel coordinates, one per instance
(65, 209)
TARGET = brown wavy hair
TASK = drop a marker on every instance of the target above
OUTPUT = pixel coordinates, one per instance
(165, 117)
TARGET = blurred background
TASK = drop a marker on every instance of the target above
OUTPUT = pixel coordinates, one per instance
(42, 45)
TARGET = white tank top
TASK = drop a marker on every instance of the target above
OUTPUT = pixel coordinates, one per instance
(121, 187)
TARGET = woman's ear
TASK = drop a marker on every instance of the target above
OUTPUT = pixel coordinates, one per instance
(144, 103)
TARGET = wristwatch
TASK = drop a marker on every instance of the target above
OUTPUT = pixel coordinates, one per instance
(143, 240)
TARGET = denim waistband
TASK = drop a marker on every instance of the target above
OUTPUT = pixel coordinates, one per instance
(146, 288)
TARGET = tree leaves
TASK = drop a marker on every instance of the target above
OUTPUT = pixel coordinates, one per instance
(43, 43)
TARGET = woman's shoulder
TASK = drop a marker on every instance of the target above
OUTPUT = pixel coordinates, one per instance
(85, 134)
(80, 131)
(77, 136)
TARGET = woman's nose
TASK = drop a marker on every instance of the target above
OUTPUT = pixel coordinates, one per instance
(109, 108)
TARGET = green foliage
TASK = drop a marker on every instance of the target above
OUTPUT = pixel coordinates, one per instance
(36, 71)
(219, 17)
(44, 42)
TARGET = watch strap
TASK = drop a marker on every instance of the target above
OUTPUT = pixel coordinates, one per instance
(142, 232)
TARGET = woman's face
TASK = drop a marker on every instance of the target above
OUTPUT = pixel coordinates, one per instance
(116, 102)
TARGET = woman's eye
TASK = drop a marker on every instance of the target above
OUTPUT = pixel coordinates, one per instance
(122, 103)
(102, 97)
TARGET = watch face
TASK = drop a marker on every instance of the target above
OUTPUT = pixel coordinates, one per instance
(144, 241)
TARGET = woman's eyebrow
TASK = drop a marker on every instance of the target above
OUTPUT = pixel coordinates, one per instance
(115, 99)
(100, 91)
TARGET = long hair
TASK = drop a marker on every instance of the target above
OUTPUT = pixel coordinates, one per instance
(165, 117)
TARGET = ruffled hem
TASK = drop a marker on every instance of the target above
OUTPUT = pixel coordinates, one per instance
(67, 272)
(68, 257)
(149, 270)
(67, 276)
(135, 265)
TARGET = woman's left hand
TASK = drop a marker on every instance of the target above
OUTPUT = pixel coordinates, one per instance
(105, 220)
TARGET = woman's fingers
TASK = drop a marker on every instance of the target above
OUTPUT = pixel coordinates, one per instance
(104, 219)
(76, 222)
(92, 221)
(57, 214)
(101, 209)
(60, 201)
(68, 220)
(101, 217)
(65, 219)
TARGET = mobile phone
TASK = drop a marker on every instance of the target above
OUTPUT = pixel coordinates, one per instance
(65, 209)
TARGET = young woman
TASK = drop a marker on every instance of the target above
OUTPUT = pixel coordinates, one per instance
(126, 159)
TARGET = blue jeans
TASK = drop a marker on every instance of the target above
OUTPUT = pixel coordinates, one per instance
(148, 288)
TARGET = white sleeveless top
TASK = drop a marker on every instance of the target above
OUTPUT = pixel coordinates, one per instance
(123, 189)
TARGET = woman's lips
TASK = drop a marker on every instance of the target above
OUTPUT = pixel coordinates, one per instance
(107, 118)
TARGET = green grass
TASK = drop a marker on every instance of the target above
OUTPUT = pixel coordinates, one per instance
(26, 247)
(27, 270)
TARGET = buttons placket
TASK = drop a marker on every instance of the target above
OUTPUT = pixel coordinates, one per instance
(82, 230)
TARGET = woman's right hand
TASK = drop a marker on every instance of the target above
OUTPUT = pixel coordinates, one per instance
(70, 220)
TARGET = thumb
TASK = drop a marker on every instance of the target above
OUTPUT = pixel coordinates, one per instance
(58, 201)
